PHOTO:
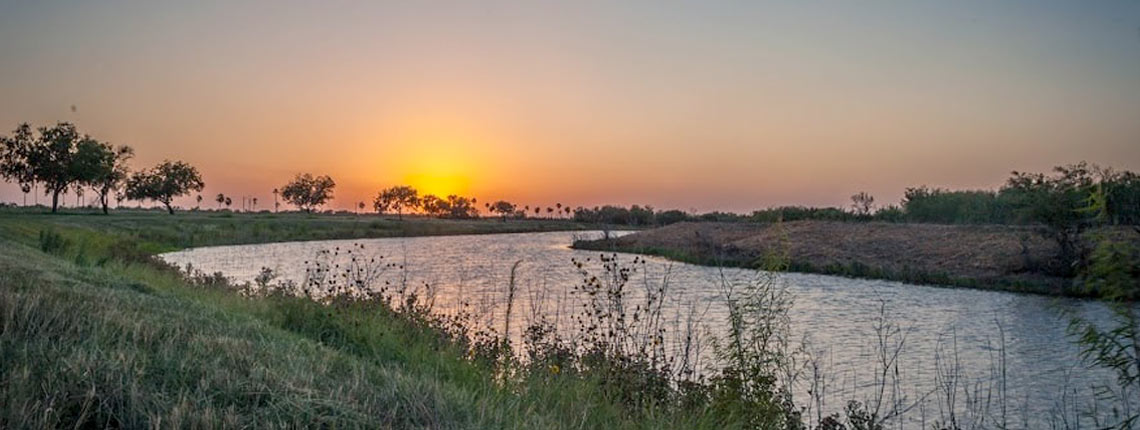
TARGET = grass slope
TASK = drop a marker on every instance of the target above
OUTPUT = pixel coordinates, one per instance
(92, 334)
(997, 257)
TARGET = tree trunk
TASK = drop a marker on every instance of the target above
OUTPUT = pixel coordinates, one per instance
(169, 208)
(55, 201)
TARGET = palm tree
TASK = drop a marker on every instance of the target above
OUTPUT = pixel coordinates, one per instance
(26, 188)
(549, 212)
(255, 204)
(221, 199)
(199, 200)
(537, 211)
(228, 202)
(559, 206)
(359, 207)
(275, 204)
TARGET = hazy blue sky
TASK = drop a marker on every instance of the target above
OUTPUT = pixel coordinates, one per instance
(676, 104)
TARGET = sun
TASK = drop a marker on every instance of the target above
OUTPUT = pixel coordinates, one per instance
(440, 185)
(442, 155)
(441, 169)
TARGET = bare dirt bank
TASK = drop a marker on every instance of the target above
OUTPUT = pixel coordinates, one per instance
(982, 256)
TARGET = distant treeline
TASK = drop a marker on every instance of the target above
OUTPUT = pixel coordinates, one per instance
(1077, 193)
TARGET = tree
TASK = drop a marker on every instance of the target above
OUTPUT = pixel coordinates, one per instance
(59, 158)
(14, 158)
(359, 207)
(276, 205)
(164, 182)
(221, 199)
(503, 208)
(198, 200)
(433, 205)
(25, 188)
(253, 201)
(396, 199)
(229, 201)
(460, 207)
(862, 203)
(308, 192)
(109, 170)
(1057, 203)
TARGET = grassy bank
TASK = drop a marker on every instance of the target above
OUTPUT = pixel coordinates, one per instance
(207, 228)
(93, 333)
(1007, 258)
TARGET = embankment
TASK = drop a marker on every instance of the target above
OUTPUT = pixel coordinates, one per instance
(1012, 258)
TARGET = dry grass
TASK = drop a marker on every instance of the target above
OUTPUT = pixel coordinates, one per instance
(972, 255)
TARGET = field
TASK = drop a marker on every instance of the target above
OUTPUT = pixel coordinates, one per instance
(1014, 258)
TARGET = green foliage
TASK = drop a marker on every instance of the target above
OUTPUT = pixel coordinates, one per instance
(936, 205)
(1114, 274)
(164, 182)
(59, 158)
(308, 192)
(633, 216)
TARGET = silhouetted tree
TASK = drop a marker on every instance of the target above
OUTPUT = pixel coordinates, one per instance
(433, 205)
(110, 170)
(275, 204)
(164, 182)
(229, 202)
(59, 158)
(25, 188)
(221, 199)
(198, 202)
(308, 192)
(396, 199)
(862, 203)
(460, 207)
(503, 208)
(254, 201)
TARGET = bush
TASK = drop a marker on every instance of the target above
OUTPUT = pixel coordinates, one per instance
(54, 243)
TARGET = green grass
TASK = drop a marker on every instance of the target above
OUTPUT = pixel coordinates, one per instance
(164, 232)
(94, 334)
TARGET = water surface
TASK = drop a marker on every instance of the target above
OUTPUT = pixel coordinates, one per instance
(947, 331)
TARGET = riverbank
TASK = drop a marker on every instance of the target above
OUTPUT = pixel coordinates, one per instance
(998, 257)
(163, 232)
(96, 333)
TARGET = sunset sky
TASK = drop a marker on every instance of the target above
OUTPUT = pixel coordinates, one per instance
(690, 105)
